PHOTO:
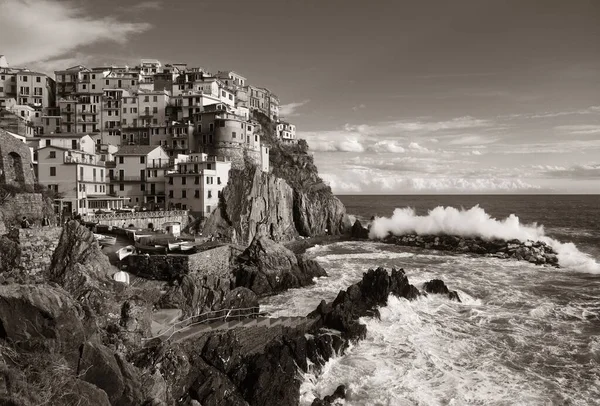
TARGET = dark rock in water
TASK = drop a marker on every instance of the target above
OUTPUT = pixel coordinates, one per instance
(267, 267)
(339, 393)
(536, 252)
(358, 231)
(437, 286)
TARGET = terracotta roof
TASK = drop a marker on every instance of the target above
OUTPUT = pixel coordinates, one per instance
(136, 149)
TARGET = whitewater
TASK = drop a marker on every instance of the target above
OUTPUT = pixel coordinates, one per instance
(523, 334)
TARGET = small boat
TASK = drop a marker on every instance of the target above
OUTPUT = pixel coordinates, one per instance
(107, 240)
(186, 246)
(122, 277)
(136, 237)
(125, 252)
(174, 246)
(147, 249)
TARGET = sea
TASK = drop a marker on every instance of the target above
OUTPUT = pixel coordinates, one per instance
(523, 334)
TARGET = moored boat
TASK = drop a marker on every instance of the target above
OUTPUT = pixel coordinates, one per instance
(186, 246)
(107, 240)
(147, 249)
(125, 252)
(122, 277)
(174, 246)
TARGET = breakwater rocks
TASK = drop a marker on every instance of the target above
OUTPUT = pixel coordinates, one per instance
(535, 252)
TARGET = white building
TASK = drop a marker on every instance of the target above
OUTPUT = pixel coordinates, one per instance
(196, 182)
(286, 132)
(139, 174)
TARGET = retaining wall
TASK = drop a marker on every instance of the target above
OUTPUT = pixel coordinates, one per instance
(141, 219)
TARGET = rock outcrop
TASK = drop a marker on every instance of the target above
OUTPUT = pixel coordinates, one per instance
(339, 393)
(253, 202)
(228, 369)
(535, 252)
(437, 286)
(41, 316)
(267, 267)
(358, 231)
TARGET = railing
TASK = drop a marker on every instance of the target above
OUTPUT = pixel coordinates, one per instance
(212, 316)
(158, 165)
(154, 193)
(138, 178)
(136, 215)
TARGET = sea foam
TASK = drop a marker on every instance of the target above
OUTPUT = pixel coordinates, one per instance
(475, 222)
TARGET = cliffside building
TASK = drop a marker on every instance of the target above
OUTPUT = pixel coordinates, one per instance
(138, 173)
(196, 182)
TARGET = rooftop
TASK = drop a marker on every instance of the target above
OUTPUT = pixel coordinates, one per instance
(136, 149)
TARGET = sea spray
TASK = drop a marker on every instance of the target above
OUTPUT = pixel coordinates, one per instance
(475, 222)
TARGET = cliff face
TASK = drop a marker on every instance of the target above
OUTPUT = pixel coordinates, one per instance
(253, 202)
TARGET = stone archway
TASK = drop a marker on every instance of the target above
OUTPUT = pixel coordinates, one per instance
(15, 173)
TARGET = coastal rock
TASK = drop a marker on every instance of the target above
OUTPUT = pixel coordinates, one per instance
(358, 231)
(319, 212)
(536, 252)
(42, 316)
(253, 202)
(437, 286)
(266, 268)
(339, 393)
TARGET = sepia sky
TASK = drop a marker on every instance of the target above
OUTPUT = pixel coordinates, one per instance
(420, 96)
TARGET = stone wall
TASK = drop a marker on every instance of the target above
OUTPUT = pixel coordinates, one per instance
(36, 246)
(214, 262)
(141, 219)
(16, 167)
(31, 205)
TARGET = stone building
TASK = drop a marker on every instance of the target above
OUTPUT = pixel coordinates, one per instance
(16, 167)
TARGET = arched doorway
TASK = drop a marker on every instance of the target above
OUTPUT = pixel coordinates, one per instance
(14, 169)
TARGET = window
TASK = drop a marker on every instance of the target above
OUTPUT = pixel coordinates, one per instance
(143, 187)
(197, 180)
(154, 121)
(121, 186)
(155, 98)
(52, 154)
(95, 188)
(154, 110)
(47, 142)
(233, 135)
(53, 171)
(142, 159)
(197, 194)
(200, 128)
(230, 97)
(121, 160)
(93, 76)
(24, 78)
(124, 110)
(218, 180)
(93, 87)
(211, 127)
(170, 194)
(209, 194)
(170, 180)
(107, 82)
(124, 121)
(183, 180)
(223, 93)
(183, 194)
(146, 99)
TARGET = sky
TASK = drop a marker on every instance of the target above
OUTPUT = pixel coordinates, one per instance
(393, 97)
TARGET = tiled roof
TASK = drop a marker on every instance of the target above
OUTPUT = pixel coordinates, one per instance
(136, 149)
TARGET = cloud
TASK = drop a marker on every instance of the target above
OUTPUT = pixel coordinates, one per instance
(576, 172)
(551, 114)
(413, 146)
(143, 6)
(346, 145)
(359, 107)
(580, 129)
(387, 146)
(395, 127)
(289, 110)
(471, 139)
(369, 180)
(43, 30)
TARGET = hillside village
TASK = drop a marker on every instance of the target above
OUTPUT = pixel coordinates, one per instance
(147, 137)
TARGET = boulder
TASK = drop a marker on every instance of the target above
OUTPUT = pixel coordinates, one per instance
(358, 231)
(437, 286)
(267, 267)
(101, 367)
(42, 316)
(339, 393)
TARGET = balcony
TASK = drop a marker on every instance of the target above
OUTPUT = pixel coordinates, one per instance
(158, 165)
(117, 179)
(80, 160)
(154, 193)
